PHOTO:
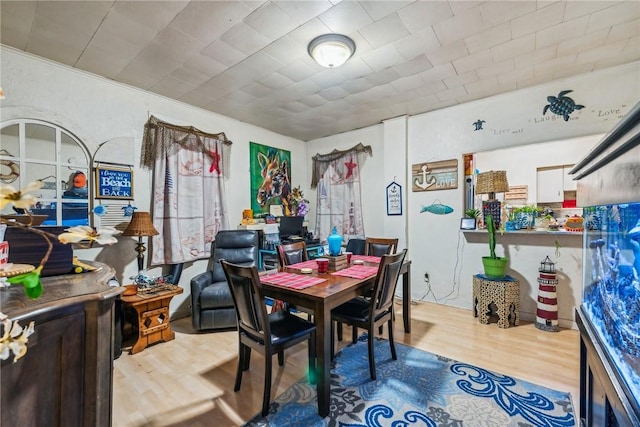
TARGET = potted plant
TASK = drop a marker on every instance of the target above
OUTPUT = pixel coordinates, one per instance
(494, 266)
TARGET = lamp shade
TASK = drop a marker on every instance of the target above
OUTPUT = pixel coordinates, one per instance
(140, 225)
(331, 50)
(492, 182)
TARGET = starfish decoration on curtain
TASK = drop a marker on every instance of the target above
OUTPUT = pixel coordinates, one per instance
(215, 161)
(350, 167)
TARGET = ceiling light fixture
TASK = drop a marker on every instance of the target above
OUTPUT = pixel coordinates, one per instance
(331, 50)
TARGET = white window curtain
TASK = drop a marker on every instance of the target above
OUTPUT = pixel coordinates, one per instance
(188, 190)
(337, 178)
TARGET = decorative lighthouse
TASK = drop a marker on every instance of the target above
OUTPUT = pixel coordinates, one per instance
(547, 310)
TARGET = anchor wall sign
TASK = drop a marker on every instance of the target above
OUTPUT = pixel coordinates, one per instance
(432, 176)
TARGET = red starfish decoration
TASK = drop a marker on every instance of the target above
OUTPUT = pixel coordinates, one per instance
(350, 167)
(215, 161)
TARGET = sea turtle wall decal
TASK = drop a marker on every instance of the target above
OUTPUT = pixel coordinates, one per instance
(561, 105)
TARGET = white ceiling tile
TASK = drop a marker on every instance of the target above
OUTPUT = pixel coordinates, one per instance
(286, 50)
(270, 21)
(451, 94)
(313, 101)
(575, 9)
(382, 58)
(515, 76)
(357, 85)
(152, 14)
(550, 67)
(415, 66)
(105, 63)
(473, 61)
(223, 53)
(439, 72)
(624, 31)
(345, 17)
(388, 30)
(431, 88)
(382, 77)
(79, 17)
(513, 48)
(489, 38)
(447, 53)
(459, 26)
(538, 20)
(417, 43)
(303, 11)
(482, 88)
(333, 93)
(204, 65)
(297, 71)
(307, 32)
(601, 53)
(579, 44)
(177, 44)
(15, 23)
(495, 69)
(171, 88)
(421, 14)
(134, 75)
(379, 9)
(564, 31)
(573, 70)
(461, 80)
(527, 59)
(239, 97)
(618, 14)
(208, 20)
(189, 76)
(408, 83)
(276, 81)
(245, 39)
(499, 12)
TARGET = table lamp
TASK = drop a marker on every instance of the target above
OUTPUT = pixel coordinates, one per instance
(140, 226)
(490, 183)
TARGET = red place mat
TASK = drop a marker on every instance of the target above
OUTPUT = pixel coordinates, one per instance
(366, 258)
(358, 271)
(291, 280)
(304, 264)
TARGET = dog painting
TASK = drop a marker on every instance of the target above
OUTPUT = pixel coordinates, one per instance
(270, 178)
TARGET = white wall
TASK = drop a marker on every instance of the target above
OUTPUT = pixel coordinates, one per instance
(97, 110)
(436, 246)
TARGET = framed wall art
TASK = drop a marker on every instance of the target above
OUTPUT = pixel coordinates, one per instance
(270, 170)
(394, 199)
(114, 182)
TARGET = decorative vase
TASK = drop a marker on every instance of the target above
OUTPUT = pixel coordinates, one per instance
(510, 226)
(335, 242)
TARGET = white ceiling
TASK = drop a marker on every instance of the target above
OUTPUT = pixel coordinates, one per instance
(248, 59)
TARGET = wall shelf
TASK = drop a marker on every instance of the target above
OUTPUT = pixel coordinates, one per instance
(530, 232)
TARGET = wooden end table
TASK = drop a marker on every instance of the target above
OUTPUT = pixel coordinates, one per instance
(152, 315)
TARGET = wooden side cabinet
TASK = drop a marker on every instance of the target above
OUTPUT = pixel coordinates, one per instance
(66, 377)
(604, 402)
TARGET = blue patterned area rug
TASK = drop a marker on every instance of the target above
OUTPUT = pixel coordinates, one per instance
(419, 389)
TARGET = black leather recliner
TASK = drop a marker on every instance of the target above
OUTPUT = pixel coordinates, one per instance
(211, 301)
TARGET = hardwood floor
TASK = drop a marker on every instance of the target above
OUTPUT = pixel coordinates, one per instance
(189, 381)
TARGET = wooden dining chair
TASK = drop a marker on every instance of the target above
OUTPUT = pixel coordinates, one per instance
(292, 253)
(369, 313)
(378, 246)
(267, 333)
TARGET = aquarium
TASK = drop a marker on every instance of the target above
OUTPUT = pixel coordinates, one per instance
(611, 288)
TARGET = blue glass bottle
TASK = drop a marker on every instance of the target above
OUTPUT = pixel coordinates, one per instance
(335, 242)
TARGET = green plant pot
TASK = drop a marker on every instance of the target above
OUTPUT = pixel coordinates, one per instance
(494, 268)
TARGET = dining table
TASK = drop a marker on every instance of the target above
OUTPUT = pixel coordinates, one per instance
(322, 292)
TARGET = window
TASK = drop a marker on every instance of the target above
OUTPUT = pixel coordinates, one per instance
(35, 150)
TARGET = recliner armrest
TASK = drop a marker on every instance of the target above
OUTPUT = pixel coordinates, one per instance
(199, 282)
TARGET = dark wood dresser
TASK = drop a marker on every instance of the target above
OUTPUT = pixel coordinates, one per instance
(66, 377)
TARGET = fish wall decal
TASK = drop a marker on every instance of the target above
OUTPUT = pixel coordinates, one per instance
(437, 208)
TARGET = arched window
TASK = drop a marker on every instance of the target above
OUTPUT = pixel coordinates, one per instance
(33, 150)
